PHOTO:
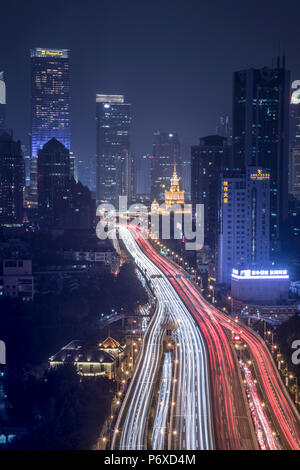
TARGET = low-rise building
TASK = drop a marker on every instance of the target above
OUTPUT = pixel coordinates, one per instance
(91, 359)
(264, 287)
(17, 279)
(295, 288)
(91, 255)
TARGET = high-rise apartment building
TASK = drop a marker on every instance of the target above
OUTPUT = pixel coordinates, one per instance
(2, 101)
(114, 162)
(209, 161)
(244, 238)
(261, 134)
(166, 153)
(11, 180)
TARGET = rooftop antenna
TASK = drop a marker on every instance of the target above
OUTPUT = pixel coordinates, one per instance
(278, 57)
(283, 56)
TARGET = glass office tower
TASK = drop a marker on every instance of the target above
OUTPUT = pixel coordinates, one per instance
(261, 100)
(209, 161)
(114, 164)
(50, 97)
(50, 104)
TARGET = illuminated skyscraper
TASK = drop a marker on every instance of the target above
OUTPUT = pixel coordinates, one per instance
(166, 153)
(209, 160)
(244, 239)
(2, 101)
(261, 100)
(50, 102)
(143, 166)
(114, 165)
(50, 97)
(294, 166)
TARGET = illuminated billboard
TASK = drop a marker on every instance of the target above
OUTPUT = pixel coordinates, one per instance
(43, 52)
(260, 175)
(260, 274)
(225, 192)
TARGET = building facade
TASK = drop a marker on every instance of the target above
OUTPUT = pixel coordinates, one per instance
(50, 97)
(2, 101)
(261, 134)
(17, 280)
(53, 183)
(294, 163)
(209, 161)
(143, 169)
(50, 103)
(114, 164)
(91, 360)
(86, 172)
(166, 153)
(12, 180)
(244, 240)
(174, 195)
(264, 287)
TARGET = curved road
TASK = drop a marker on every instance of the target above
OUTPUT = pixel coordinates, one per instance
(232, 432)
(191, 424)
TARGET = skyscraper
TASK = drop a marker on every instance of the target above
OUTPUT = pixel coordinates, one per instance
(208, 161)
(224, 128)
(294, 163)
(63, 203)
(86, 172)
(143, 168)
(114, 173)
(50, 97)
(53, 183)
(261, 133)
(2, 101)
(50, 101)
(244, 240)
(166, 153)
(11, 180)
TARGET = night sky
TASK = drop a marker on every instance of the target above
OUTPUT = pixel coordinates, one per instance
(173, 60)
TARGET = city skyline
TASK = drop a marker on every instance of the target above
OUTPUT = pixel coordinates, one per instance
(150, 228)
(204, 80)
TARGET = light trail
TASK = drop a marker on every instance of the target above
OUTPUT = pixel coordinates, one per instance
(212, 323)
(265, 435)
(222, 367)
(192, 414)
(159, 433)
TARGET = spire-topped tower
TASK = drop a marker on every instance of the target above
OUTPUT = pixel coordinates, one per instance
(174, 195)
